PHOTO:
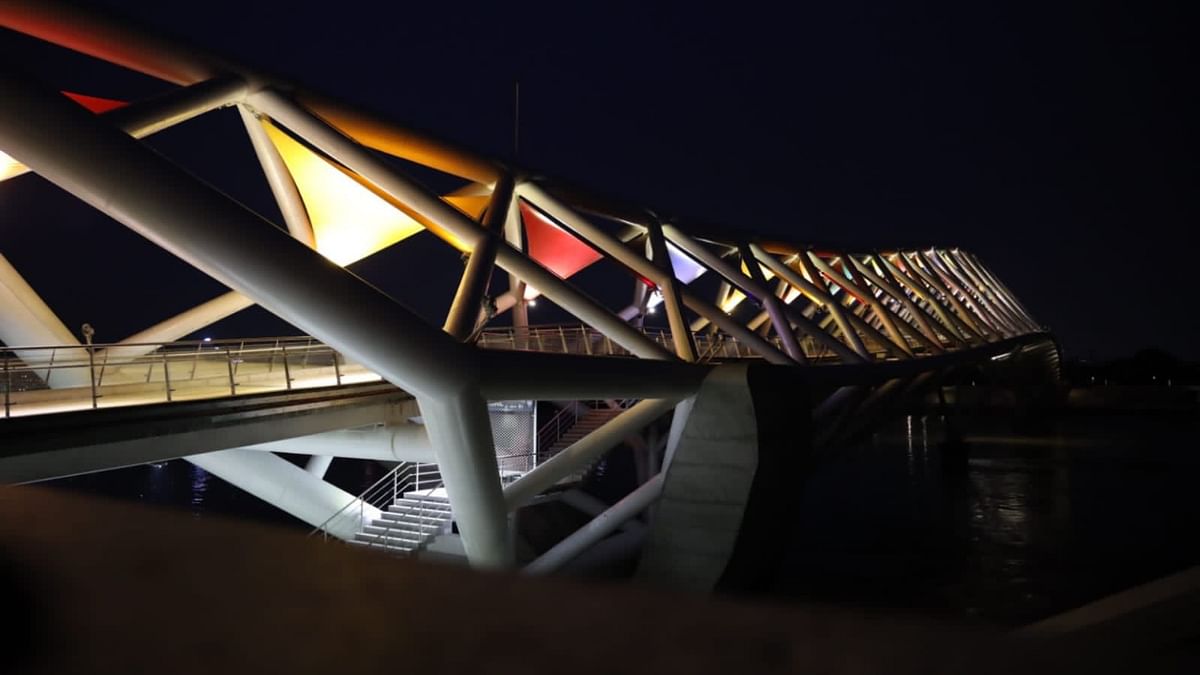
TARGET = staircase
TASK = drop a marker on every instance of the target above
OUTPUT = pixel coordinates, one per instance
(414, 510)
(408, 525)
(569, 426)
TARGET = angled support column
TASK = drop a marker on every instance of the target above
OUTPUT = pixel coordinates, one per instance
(965, 319)
(585, 451)
(447, 221)
(460, 431)
(287, 487)
(597, 528)
(808, 260)
(919, 315)
(515, 236)
(983, 322)
(317, 465)
(26, 320)
(1001, 291)
(184, 323)
(815, 294)
(144, 118)
(468, 299)
(283, 187)
(982, 306)
(1011, 322)
(783, 328)
(749, 287)
(897, 278)
(640, 265)
(999, 305)
(681, 335)
(198, 224)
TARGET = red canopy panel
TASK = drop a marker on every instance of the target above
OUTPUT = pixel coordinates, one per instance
(553, 247)
(95, 103)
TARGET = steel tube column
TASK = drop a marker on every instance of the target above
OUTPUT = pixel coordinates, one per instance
(786, 274)
(681, 335)
(429, 208)
(749, 287)
(283, 187)
(640, 265)
(390, 443)
(28, 320)
(198, 224)
(584, 451)
(285, 486)
(808, 258)
(598, 528)
(965, 319)
(460, 430)
(775, 309)
(468, 299)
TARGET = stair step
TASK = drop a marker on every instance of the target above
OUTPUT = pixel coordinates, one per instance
(431, 502)
(428, 509)
(397, 519)
(382, 547)
(389, 529)
(388, 540)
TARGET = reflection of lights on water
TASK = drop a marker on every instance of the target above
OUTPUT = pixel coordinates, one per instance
(908, 438)
(199, 485)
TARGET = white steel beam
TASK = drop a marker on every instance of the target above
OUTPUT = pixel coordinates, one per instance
(586, 450)
(287, 487)
(427, 207)
(468, 299)
(198, 224)
(598, 528)
(774, 307)
(283, 187)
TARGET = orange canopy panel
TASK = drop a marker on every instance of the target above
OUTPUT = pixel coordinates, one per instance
(553, 247)
(10, 167)
(350, 222)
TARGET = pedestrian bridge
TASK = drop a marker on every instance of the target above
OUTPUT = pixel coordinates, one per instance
(768, 336)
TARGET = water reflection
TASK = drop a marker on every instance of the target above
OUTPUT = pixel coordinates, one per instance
(199, 488)
(1032, 526)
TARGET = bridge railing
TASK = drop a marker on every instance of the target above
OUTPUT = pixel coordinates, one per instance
(584, 340)
(53, 379)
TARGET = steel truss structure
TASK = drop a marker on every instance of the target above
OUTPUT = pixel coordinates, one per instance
(896, 316)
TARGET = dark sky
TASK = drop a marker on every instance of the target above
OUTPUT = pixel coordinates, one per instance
(1053, 142)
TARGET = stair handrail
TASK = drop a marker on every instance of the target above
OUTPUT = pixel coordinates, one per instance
(392, 483)
(437, 519)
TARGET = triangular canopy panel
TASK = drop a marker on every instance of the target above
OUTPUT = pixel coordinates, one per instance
(349, 221)
(553, 247)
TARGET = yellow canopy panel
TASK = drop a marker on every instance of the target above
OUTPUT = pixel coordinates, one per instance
(350, 222)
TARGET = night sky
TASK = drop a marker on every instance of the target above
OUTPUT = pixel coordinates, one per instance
(1052, 142)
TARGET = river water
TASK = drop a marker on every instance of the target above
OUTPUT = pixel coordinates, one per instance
(1033, 526)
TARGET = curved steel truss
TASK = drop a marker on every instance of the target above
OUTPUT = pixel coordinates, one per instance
(889, 313)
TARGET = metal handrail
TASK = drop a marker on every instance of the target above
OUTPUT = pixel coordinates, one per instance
(405, 477)
(184, 370)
